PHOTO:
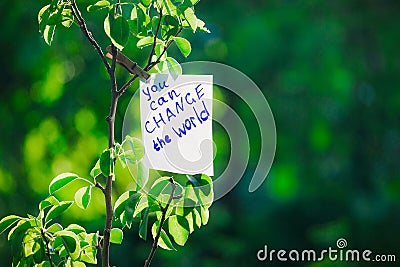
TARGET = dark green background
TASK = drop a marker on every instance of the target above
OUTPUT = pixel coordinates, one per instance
(330, 71)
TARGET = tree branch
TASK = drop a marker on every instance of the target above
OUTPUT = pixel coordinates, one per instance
(164, 213)
(105, 252)
(148, 66)
(82, 25)
(155, 39)
(47, 247)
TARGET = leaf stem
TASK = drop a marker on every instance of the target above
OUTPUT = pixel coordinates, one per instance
(47, 247)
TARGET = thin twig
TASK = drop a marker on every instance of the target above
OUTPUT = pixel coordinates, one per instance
(98, 185)
(82, 25)
(148, 66)
(152, 64)
(127, 84)
(47, 247)
(155, 39)
(164, 213)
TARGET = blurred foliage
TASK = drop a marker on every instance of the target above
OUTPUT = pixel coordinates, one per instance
(329, 70)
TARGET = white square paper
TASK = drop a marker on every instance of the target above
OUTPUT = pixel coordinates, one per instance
(176, 122)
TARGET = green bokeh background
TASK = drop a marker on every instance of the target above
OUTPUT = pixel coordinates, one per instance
(330, 71)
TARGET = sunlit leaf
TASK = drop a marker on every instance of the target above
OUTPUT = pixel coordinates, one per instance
(183, 45)
(117, 29)
(106, 162)
(148, 40)
(83, 196)
(146, 3)
(174, 67)
(71, 242)
(96, 170)
(143, 223)
(57, 210)
(178, 227)
(164, 241)
(8, 221)
(61, 180)
(116, 236)
(54, 228)
(98, 5)
(191, 18)
(20, 228)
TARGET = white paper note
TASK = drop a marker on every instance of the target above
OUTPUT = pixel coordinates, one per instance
(176, 122)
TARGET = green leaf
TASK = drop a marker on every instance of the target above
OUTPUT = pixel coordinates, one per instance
(141, 205)
(43, 17)
(205, 191)
(96, 170)
(39, 256)
(20, 228)
(173, 66)
(7, 222)
(158, 51)
(83, 196)
(57, 210)
(130, 207)
(170, 21)
(71, 243)
(50, 201)
(78, 264)
(75, 228)
(197, 217)
(183, 45)
(97, 6)
(67, 18)
(136, 151)
(117, 29)
(164, 241)
(143, 223)
(191, 18)
(89, 252)
(178, 227)
(146, 3)
(202, 26)
(141, 17)
(116, 236)
(106, 162)
(44, 264)
(148, 40)
(119, 205)
(54, 228)
(205, 214)
(56, 17)
(159, 186)
(166, 6)
(48, 34)
(162, 66)
(142, 176)
(31, 244)
(61, 180)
